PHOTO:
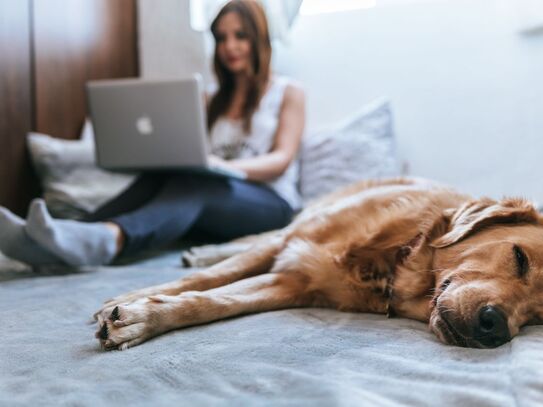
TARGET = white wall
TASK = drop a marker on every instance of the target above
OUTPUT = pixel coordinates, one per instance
(168, 45)
(466, 88)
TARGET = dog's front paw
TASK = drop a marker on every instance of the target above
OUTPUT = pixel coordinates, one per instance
(121, 299)
(170, 289)
(126, 325)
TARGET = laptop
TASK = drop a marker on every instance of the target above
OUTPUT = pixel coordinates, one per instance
(151, 125)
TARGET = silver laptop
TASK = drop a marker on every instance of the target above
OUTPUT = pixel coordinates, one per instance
(151, 125)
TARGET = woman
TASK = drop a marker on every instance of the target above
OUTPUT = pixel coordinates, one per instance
(255, 120)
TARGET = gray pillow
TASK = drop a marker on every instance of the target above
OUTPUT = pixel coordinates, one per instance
(359, 148)
(72, 183)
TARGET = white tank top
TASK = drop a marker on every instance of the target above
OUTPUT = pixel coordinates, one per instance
(229, 141)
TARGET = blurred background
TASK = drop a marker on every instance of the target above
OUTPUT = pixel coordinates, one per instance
(463, 77)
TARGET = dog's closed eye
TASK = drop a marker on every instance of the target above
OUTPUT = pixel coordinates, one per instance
(522, 261)
(441, 290)
(444, 285)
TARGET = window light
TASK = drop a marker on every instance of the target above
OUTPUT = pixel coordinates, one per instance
(331, 6)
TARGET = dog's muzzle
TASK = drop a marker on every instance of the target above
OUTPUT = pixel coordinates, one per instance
(489, 329)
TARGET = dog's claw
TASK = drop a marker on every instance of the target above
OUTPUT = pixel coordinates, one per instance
(104, 332)
(115, 314)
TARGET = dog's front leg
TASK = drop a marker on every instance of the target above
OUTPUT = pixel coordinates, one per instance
(133, 323)
(257, 260)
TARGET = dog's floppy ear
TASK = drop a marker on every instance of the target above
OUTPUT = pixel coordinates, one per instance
(474, 215)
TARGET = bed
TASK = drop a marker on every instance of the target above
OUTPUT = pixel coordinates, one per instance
(293, 357)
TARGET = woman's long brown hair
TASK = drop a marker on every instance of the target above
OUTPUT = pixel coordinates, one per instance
(255, 25)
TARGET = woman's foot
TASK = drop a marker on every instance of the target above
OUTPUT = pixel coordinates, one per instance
(16, 244)
(76, 243)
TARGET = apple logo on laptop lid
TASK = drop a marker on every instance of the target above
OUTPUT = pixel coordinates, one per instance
(144, 125)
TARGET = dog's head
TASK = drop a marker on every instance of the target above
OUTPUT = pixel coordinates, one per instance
(489, 279)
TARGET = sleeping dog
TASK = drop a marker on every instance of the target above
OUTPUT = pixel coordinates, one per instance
(410, 248)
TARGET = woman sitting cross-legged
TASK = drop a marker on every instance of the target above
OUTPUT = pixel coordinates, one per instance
(255, 122)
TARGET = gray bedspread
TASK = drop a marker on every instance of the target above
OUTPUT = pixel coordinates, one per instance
(48, 355)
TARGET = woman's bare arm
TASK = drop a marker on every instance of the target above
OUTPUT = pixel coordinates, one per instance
(287, 141)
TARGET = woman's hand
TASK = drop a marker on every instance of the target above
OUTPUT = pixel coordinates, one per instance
(219, 163)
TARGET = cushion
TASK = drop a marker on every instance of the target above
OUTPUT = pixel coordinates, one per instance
(358, 148)
(72, 183)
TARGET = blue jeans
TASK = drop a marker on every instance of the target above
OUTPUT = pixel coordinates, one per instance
(162, 207)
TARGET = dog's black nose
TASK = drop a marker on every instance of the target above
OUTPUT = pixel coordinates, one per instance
(491, 328)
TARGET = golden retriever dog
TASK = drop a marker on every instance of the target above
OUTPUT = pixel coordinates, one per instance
(472, 268)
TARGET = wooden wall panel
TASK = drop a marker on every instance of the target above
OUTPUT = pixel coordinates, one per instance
(74, 41)
(48, 50)
(17, 183)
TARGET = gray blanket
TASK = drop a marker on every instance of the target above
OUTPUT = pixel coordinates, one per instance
(293, 357)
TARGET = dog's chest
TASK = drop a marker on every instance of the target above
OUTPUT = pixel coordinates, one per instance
(392, 281)
(360, 287)
(372, 287)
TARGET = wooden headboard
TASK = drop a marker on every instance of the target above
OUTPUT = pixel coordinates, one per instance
(49, 50)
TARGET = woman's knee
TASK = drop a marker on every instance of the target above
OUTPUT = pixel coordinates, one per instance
(226, 222)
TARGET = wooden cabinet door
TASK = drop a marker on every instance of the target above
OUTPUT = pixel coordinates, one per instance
(17, 183)
(48, 50)
(78, 40)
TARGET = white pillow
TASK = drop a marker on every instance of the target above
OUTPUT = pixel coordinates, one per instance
(359, 148)
(72, 183)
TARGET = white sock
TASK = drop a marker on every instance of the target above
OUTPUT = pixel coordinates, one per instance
(77, 243)
(16, 244)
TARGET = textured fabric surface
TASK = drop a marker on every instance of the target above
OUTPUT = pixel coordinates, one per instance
(72, 183)
(359, 148)
(49, 356)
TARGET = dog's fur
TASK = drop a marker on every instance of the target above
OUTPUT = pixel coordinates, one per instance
(406, 247)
